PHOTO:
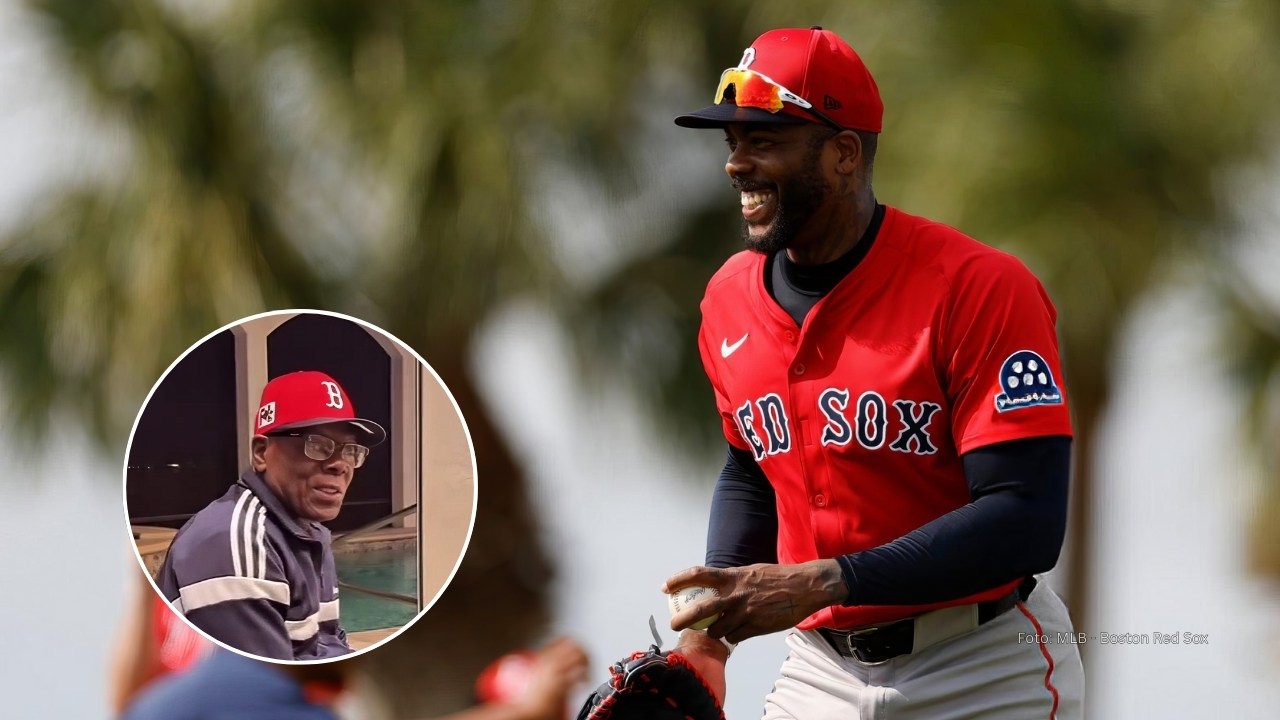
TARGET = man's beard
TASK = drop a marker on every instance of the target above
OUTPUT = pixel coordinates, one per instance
(798, 200)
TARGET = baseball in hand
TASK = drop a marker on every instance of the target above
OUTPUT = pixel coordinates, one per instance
(686, 596)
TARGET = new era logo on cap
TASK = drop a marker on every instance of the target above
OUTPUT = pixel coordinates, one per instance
(309, 397)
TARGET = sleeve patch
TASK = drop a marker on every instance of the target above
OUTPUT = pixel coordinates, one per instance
(1026, 381)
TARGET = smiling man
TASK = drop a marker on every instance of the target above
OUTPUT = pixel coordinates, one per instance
(899, 438)
(254, 569)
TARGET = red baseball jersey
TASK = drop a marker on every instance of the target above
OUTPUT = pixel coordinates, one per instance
(934, 345)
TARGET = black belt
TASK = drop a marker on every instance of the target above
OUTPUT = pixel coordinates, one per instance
(885, 642)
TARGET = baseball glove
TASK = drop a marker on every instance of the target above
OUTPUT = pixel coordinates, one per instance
(653, 685)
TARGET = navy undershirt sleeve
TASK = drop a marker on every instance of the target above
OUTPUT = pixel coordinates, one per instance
(1013, 527)
(743, 529)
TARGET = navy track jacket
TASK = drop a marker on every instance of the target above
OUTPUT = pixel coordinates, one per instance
(249, 574)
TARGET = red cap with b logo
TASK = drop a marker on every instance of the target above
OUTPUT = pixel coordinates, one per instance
(310, 397)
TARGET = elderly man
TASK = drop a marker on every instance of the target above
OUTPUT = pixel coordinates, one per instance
(254, 569)
(899, 435)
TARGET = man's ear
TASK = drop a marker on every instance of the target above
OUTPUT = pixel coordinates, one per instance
(258, 453)
(849, 147)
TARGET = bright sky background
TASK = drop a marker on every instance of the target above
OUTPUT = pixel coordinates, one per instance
(1173, 501)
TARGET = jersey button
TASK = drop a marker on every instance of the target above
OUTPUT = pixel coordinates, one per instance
(798, 369)
(820, 500)
(791, 337)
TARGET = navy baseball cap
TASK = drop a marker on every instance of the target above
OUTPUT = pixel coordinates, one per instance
(795, 76)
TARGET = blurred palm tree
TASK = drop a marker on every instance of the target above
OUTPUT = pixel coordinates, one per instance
(1254, 329)
(390, 160)
(360, 157)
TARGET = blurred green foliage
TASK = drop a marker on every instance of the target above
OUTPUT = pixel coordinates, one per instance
(389, 159)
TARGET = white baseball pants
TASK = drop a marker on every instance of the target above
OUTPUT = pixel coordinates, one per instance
(1019, 666)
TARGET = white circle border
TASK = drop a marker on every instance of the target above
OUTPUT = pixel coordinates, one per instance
(471, 450)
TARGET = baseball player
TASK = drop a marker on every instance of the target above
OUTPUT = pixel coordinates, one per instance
(254, 569)
(899, 436)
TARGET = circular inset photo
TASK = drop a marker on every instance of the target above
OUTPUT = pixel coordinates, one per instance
(275, 482)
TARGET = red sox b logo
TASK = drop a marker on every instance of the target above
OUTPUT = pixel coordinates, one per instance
(335, 395)
(870, 423)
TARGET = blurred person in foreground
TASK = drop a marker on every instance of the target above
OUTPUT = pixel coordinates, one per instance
(254, 569)
(154, 642)
(165, 669)
(899, 439)
(228, 685)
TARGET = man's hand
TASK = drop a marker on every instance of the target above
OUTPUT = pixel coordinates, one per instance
(759, 599)
(708, 656)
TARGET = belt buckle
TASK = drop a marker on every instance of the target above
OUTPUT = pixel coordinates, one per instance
(856, 652)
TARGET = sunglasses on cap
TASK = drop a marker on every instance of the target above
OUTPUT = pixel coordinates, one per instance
(321, 448)
(756, 90)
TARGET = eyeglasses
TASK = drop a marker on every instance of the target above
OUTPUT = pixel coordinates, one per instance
(755, 90)
(321, 448)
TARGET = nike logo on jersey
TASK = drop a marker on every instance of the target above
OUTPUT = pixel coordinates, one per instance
(726, 349)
